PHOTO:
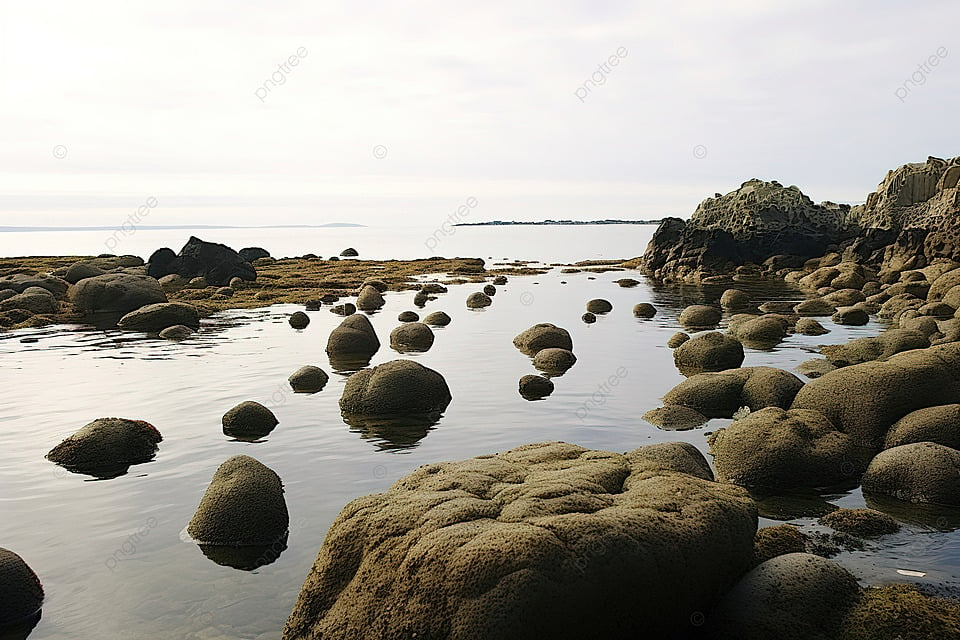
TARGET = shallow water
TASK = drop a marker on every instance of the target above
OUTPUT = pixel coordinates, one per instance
(111, 553)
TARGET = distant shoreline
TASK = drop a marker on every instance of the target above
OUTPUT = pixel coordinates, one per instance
(186, 227)
(506, 223)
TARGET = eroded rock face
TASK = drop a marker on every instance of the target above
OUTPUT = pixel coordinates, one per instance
(243, 506)
(757, 221)
(107, 446)
(548, 540)
(919, 202)
(21, 593)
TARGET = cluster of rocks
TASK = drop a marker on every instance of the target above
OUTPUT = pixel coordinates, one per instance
(551, 349)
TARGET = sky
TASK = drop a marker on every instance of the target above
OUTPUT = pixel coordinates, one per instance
(399, 112)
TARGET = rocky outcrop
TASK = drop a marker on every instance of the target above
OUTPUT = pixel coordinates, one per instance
(547, 540)
(217, 263)
(757, 221)
(106, 447)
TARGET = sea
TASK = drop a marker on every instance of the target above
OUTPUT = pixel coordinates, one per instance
(113, 554)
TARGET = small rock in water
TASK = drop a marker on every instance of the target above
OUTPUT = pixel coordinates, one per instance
(554, 360)
(599, 305)
(644, 310)
(21, 594)
(408, 316)
(345, 309)
(490, 290)
(349, 252)
(627, 283)
(177, 332)
(308, 379)
(299, 320)
(478, 300)
(675, 418)
(534, 387)
(588, 318)
(248, 420)
(677, 339)
(437, 319)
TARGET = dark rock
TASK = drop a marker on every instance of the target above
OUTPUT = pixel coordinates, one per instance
(411, 337)
(588, 318)
(599, 306)
(644, 310)
(920, 472)
(437, 319)
(349, 252)
(533, 387)
(397, 387)
(490, 290)
(543, 336)
(248, 420)
(863, 523)
(478, 300)
(106, 447)
(308, 379)
(677, 339)
(21, 594)
(177, 332)
(354, 336)
(408, 316)
(299, 320)
(159, 316)
(249, 254)
(217, 263)
(345, 309)
(770, 542)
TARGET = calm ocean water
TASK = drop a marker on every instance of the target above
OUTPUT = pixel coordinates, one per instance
(110, 552)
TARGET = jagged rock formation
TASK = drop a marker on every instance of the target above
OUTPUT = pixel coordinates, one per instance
(758, 220)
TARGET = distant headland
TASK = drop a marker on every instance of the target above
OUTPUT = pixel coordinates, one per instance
(187, 227)
(500, 223)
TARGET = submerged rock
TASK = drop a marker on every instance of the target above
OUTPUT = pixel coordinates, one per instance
(177, 332)
(243, 506)
(675, 417)
(496, 559)
(863, 523)
(106, 447)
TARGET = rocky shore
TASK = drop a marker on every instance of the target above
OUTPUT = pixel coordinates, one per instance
(555, 540)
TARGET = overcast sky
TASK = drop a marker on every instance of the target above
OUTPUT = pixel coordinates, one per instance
(400, 111)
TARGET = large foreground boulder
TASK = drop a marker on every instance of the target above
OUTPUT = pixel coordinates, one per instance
(21, 593)
(115, 293)
(157, 317)
(398, 387)
(919, 472)
(772, 450)
(864, 400)
(243, 506)
(107, 447)
(547, 540)
(217, 263)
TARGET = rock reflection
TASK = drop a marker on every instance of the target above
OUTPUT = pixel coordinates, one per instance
(248, 558)
(393, 433)
(931, 516)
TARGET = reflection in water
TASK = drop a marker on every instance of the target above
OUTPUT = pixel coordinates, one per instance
(347, 363)
(792, 506)
(99, 473)
(931, 516)
(393, 433)
(248, 558)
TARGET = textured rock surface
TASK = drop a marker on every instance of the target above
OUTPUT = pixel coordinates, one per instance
(919, 472)
(901, 611)
(675, 417)
(547, 540)
(700, 316)
(248, 419)
(299, 320)
(21, 593)
(775, 450)
(794, 596)
(308, 379)
(118, 293)
(437, 319)
(644, 310)
(599, 306)
(156, 317)
(719, 395)
(354, 336)
(712, 351)
(478, 300)
(532, 386)
(216, 263)
(395, 387)
(242, 506)
(879, 347)
(758, 332)
(553, 360)
(107, 445)
(177, 332)
(940, 424)
(864, 523)
(864, 400)
(20, 282)
(543, 336)
(758, 220)
(411, 336)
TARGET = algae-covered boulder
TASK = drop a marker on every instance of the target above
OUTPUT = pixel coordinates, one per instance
(437, 319)
(354, 336)
(770, 542)
(675, 417)
(719, 395)
(243, 506)
(644, 310)
(21, 594)
(411, 336)
(901, 611)
(940, 424)
(478, 300)
(408, 316)
(677, 339)
(854, 315)
(308, 379)
(863, 523)
(797, 596)
(711, 351)
(759, 332)
(543, 336)
(773, 450)
(734, 299)
(878, 347)
(106, 447)
(919, 472)
(115, 293)
(864, 400)
(810, 327)
(395, 387)
(700, 316)
(547, 540)
(248, 420)
(20, 282)
(534, 387)
(370, 299)
(157, 317)
(554, 360)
